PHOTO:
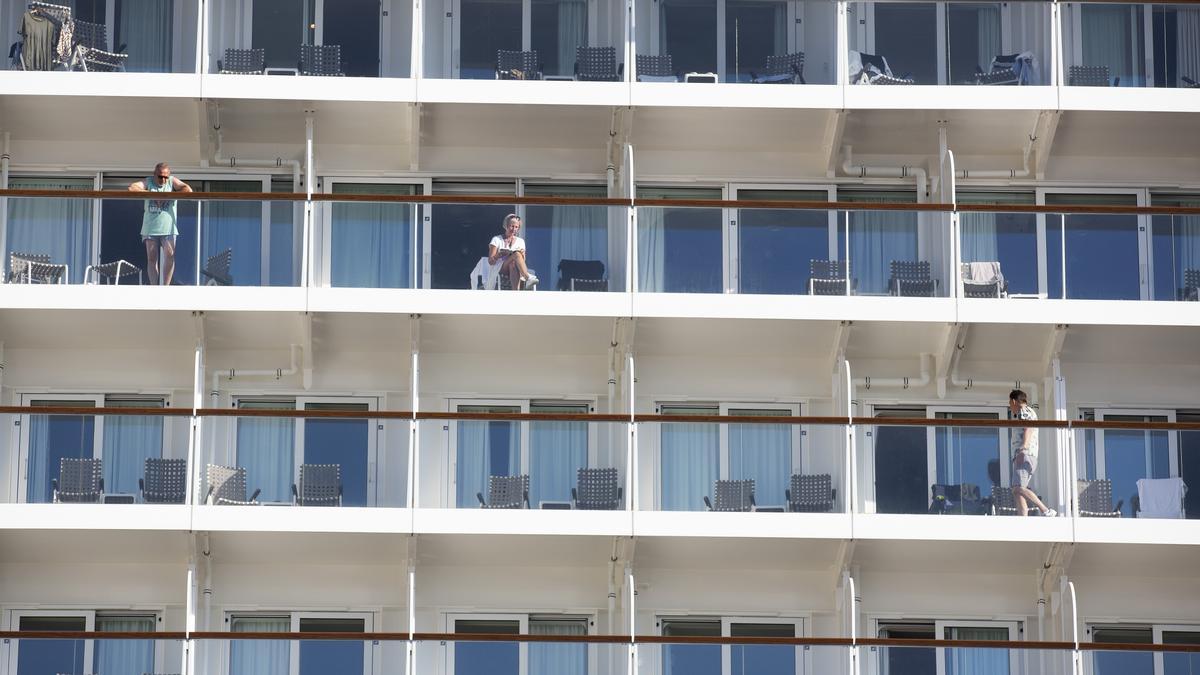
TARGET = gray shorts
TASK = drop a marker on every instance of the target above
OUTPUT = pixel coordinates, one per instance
(161, 239)
(1023, 467)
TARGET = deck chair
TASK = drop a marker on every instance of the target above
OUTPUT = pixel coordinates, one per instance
(781, 69)
(597, 490)
(227, 485)
(320, 485)
(983, 280)
(581, 275)
(828, 277)
(1191, 285)
(321, 60)
(242, 62)
(80, 481)
(731, 495)
(1188, 83)
(35, 268)
(1090, 76)
(164, 481)
(598, 64)
(216, 269)
(1095, 499)
(873, 69)
(511, 65)
(656, 68)
(91, 49)
(506, 492)
(911, 278)
(1008, 69)
(114, 271)
(960, 498)
(1003, 502)
(811, 493)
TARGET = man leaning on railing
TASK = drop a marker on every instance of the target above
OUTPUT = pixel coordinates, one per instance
(159, 224)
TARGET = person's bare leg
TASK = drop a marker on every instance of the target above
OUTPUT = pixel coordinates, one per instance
(520, 256)
(1019, 499)
(1027, 494)
(510, 268)
(152, 261)
(168, 264)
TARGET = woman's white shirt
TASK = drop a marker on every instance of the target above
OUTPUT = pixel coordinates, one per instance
(518, 243)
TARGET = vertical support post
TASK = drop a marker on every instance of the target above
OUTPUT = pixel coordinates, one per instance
(195, 436)
(633, 647)
(631, 247)
(5, 158)
(202, 33)
(634, 501)
(309, 182)
(188, 664)
(416, 57)
(1056, 45)
(410, 661)
(851, 485)
(842, 62)
(414, 436)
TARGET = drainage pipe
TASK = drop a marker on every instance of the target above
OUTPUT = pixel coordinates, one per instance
(902, 382)
(277, 373)
(903, 171)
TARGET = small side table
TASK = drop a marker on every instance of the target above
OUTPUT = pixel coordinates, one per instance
(705, 78)
(281, 71)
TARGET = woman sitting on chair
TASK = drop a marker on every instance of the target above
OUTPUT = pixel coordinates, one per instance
(508, 250)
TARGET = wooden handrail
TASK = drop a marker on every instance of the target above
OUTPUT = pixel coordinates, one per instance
(603, 639)
(605, 418)
(643, 202)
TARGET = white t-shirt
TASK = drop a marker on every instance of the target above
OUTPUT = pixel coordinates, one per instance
(1017, 434)
(518, 243)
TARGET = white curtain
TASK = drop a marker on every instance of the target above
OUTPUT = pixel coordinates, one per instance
(124, 657)
(128, 442)
(146, 28)
(988, 22)
(762, 452)
(557, 451)
(572, 33)
(60, 228)
(1187, 26)
(371, 242)
(259, 657)
(689, 464)
(266, 449)
(476, 455)
(1106, 39)
(577, 233)
(876, 239)
(977, 661)
(979, 238)
(652, 251)
(547, 658)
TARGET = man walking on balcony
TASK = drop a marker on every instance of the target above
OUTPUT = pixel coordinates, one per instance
(1024, 443)
(159, 227)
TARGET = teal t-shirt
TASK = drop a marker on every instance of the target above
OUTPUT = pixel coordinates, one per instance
(159, 219)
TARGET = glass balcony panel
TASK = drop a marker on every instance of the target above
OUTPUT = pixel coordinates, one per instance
(908, 39)
(679, 249)
(1102, 251)
(742, 659)
(64, 656)
(1176, 251)
(772, 241)
(1106, 45)
(1010, 239)
(373, 244)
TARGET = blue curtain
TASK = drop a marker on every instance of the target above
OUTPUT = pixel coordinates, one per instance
(371, 243)
(266, 449)
(876, 239)
(38, 487)
(235, 225)
(979, 239)
(51, 438)
(60, 228)
(146, 28)
(577, 232)
(977, 661)
(485, 449)
(690, 464)
(557, 450)
(762, 452)
(259, 657)
(652, 251)
(124, 657)
(547, 658)
(128, 442)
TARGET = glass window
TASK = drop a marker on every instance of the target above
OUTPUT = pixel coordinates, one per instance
(1008, 238)
(1175, 28)
(969, 455)
(124, 656)
(557, 450)
(146, 28)
(354, 24)
(1189, 462)
(690, 459)
(287, 219)
(371, 243)
(554, 233)
(1102, 251)
(280, 27)
(681, 659)
(128, 442)
(548, 658)
(982, 661)
(57, 227)
(234, 225)
(762, 659)
(1118, 662)
(1132, 454)
(680, 250)
(762, 452)
(266, 448)
(901, 465)
(754, 30)
(878, 237)
(1176, 247)
(37, 657)
(687, 30)
(1112, 37)
(318, 657)
(972, 39)
(775, 245)
(461, 232)
(487, 26)
(486, 658)
(53, 438)
(1181, 663)
(908, 660)
(558, 27)
(906, 35)
(345, 442)
(259, 657)
(485, 448)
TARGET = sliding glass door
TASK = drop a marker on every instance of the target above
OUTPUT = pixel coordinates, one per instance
(730, 38)
(48, 439)
(1096, 256)
(57, 227)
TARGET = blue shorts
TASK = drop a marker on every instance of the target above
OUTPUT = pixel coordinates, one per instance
(1023, 467)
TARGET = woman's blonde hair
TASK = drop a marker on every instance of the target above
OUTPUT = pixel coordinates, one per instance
(507, 219)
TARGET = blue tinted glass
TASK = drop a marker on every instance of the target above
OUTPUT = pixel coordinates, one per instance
(966, 455)
(283, 266)
(1016, 244)
(52, 438)
(344, 442)
(1175, 663)
(1054, 250)
(901, 473)
(50, 657)
(486, 658)
(1102, 257)
(692, 243)
(910, 660)
(774, 248)
(1123, 663)
(322, 657)
(692, 660)
(1124, 464)
(762, 660)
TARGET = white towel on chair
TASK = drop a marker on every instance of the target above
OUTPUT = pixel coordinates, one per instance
(1161, 497)
(981, 272)
(491, 280)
